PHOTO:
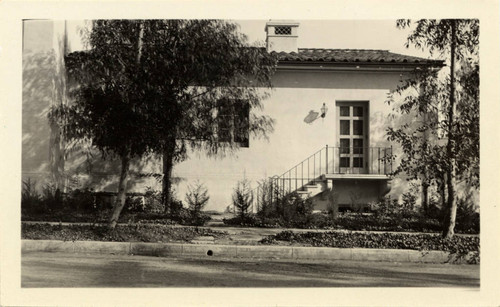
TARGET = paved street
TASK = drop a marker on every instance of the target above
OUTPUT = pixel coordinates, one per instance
(92, 270)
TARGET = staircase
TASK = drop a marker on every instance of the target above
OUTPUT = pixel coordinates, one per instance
(311, 176)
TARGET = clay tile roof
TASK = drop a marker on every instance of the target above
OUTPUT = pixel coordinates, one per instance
(351, 56)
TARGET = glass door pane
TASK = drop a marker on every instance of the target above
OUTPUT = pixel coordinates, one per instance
(352, 137)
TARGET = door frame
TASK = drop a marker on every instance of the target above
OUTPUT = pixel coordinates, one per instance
(366, 137)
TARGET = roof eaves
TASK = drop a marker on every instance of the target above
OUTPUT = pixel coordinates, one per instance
(357, 62)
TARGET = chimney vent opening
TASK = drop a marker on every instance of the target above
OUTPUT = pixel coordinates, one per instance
(283, 30)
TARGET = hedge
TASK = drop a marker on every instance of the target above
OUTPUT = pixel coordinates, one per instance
(460, 245)
(122, 233)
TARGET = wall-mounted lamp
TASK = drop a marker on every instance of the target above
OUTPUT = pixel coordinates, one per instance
(324, 109)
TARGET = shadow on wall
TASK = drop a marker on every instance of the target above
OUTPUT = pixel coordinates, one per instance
(88, 168)
(379, 122)
(39, 70)
(43, 86)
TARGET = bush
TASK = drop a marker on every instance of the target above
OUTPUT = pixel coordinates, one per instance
(467, 217)
(242, 198)
(294, 210)
(153, 201)
(134, 204)
(52, 198)
(387, 207)
(197, 198)
(122, 233)
(31, 200)
(247, 221)
(460, 246)
(176, 207)
(409, 204)
(83, 200)
(266, 207)
(289, 211)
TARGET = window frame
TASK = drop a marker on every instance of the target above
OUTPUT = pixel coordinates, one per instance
(232, 122)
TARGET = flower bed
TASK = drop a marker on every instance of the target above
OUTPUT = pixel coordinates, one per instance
(122, 233)
(368, 222)
(459, 245)
(102, 217)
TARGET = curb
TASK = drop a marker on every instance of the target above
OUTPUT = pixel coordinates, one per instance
(241, 251)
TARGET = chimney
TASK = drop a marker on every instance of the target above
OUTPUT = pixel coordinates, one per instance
(282, 36)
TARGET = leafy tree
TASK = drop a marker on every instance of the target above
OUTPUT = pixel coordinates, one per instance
(158, 86)
(242, 198)
(447, 109)
(213, 77)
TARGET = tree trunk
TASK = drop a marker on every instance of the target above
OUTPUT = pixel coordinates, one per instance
(424, 175)
(168, 163)
(449, 225)
(425, 198)
(122, 185)
(442, 191)
(122, 192)
(56, 157)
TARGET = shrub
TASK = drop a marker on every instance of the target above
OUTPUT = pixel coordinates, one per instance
(389, 207)
(176, 207)
(266, 207)
(153, 201)
(294, 210)
(122, 233)
(135, 204)
(242, 198)
(248, 220)
(31, 200)
(435, 211)
(409, 198)
(460, 246)
(386, 207)
(52, 197)
(289, 211)
(467, 217)
(196, 198)
(83, 200)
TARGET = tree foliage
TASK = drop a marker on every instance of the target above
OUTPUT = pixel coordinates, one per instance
(155, 87)
(427, 96)
(187, 69)
(442, 139)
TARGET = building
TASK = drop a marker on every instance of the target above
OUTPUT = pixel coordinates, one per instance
(329, 141)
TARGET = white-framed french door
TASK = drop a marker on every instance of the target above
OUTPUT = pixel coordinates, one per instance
(352, 137)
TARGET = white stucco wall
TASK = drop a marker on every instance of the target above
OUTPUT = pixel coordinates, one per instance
(44, 85)
(295, 94)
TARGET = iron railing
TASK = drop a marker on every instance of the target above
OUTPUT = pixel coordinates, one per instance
(327, 160)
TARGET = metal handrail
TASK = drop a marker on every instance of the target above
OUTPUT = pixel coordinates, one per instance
(282, 184)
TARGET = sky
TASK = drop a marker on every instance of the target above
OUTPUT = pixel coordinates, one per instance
(340, 34)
